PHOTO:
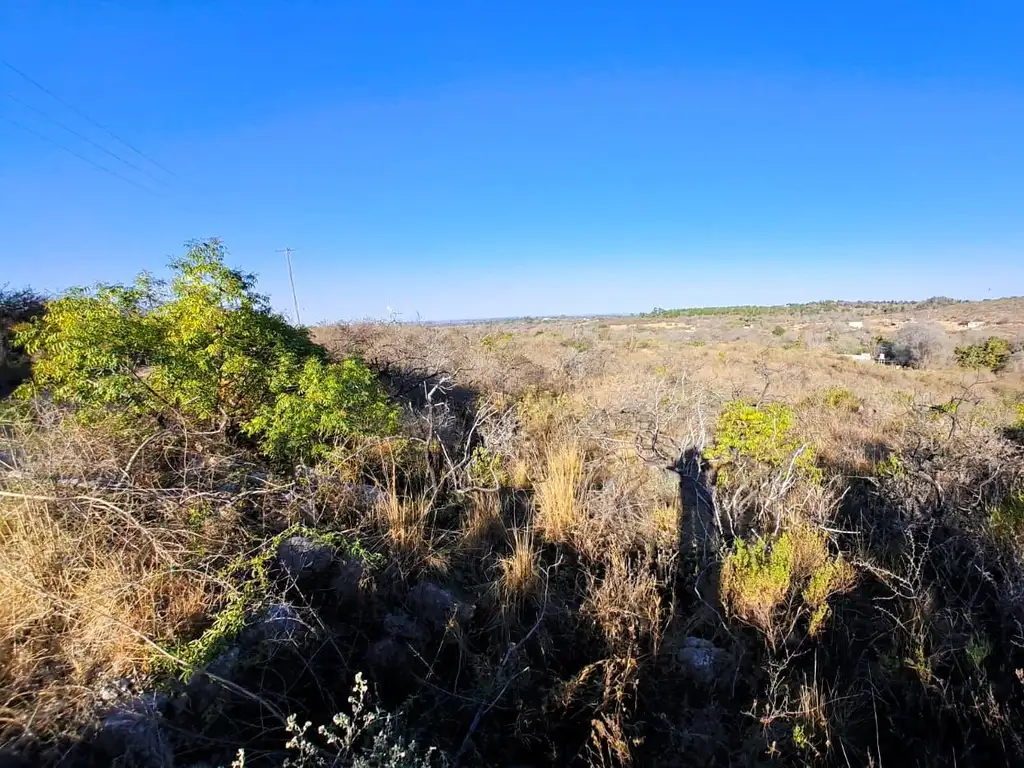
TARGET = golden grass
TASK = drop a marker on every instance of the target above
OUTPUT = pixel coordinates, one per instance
(519, 572)
(482, 520)
(404, 521)
(560, 508)
(77, 606)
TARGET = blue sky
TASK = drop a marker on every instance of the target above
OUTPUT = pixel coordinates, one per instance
(482, 159)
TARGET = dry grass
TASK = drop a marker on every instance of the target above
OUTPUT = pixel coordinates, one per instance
(560, 495)
(572, 605)
(482, 521)
(78, 608)
(404, 521)
(626, 604)
(519, 575)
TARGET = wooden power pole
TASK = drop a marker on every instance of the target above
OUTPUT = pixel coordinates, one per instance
(291, 278)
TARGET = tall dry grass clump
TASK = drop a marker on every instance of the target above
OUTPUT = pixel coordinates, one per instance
(101, 563)
(519, 572)
(560, 495)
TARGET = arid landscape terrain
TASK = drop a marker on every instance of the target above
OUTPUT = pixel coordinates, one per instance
(737, 536)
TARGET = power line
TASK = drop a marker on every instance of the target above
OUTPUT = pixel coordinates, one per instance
(72, 152)
(82, 114)
(84, 138)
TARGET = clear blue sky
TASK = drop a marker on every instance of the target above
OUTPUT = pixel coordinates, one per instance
(481, 159)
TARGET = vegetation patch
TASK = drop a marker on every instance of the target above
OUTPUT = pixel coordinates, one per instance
(762, 434)
(207, 349)
(992, 354)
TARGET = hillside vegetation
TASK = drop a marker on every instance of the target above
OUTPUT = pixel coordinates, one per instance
(673, 540)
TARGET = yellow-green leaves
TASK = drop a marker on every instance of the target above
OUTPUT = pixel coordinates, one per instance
(208, 350)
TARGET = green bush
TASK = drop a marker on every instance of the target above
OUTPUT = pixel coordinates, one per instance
(16, 307)
(778, 330)
(993, 354)
(207, 349)
(762, 434)
(841, 399)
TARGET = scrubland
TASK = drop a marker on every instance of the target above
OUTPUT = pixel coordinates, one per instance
(677, 539)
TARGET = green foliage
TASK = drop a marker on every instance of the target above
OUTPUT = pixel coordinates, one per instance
(495, 341)
(800, 738)
(762, 434)
(317, 405)
(778, 330)
(993, 354)
(841, 399)
(16, 308)
(250, 580)
(582, 346)
(485, 469)
(208, 349)
(978, 649)
(758, 579)
(890, 467)
(1006, 520)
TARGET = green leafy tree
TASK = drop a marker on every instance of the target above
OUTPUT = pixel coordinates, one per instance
(993, 354)
(206, 348)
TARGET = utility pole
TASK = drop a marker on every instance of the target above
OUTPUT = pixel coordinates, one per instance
(291, 278)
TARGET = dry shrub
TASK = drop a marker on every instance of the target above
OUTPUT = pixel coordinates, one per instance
(482, 520)
(607, 688)
(626, 604)
(83, 600)
(105, 550)
(560, 508)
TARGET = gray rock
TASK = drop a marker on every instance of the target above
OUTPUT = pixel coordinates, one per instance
(367, 495)
(401, 625)
(387, 655)
(114, 691)
(347, 580)
(134, 735)
(301, 557)
(280, 624)
(701, 659)
(437, 606)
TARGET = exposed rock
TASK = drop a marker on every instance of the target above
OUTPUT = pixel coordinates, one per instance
(402, 625)
(301, 557)
(347, 580)
(280, 624)
(701, 659)
(366, 495)
(437, 606)
(134, 735)
(387, 656)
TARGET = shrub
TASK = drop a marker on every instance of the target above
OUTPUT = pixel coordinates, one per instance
(209, 350)
(16, 307)
(761, 434)
(841, 399)
(778, 330)
(921, 346)
(758, 579)
(993, 354)
(366, 737)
